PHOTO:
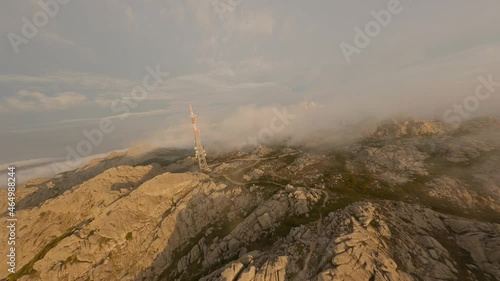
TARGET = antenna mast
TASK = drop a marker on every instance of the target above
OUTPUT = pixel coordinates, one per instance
(198, 148)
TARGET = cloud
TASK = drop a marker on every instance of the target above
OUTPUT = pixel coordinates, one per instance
(174, 10)
(24, 164)
(53, 38)
(69, 79)
(130, 15)
(37, 101)
(255, 23)
(40, 168)
(103, 102)
(119, 116)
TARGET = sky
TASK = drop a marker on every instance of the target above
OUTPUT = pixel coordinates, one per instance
(71, 67)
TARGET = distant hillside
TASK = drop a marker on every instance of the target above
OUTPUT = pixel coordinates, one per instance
(411, 200)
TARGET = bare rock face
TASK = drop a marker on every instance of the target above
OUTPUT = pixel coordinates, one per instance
(409, 202)
(261, 151)
(245, 269)
(394, 163)
(452, 190)
(305, 160)
(360, 255)
(481, 241)
(367, 241)
(463, 150)
(481, 124)
(54, 218)
(409, 128)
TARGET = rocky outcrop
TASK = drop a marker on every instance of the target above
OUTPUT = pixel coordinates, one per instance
(452, 190)
(246, 269)
(410, 202)
(261, 151)
(409, 128)
(359, 252)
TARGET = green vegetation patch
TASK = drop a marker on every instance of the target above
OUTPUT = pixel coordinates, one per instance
(128, 236)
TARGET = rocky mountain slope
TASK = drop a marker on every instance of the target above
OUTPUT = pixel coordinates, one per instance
(412, 200)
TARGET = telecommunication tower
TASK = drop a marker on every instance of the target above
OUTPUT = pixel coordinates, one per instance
(198, 148)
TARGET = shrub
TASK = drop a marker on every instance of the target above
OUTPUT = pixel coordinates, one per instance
(128, 236)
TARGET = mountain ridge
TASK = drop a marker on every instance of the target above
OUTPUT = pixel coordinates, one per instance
(411, 200)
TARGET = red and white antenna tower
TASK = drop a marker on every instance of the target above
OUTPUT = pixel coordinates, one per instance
(199, 149)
